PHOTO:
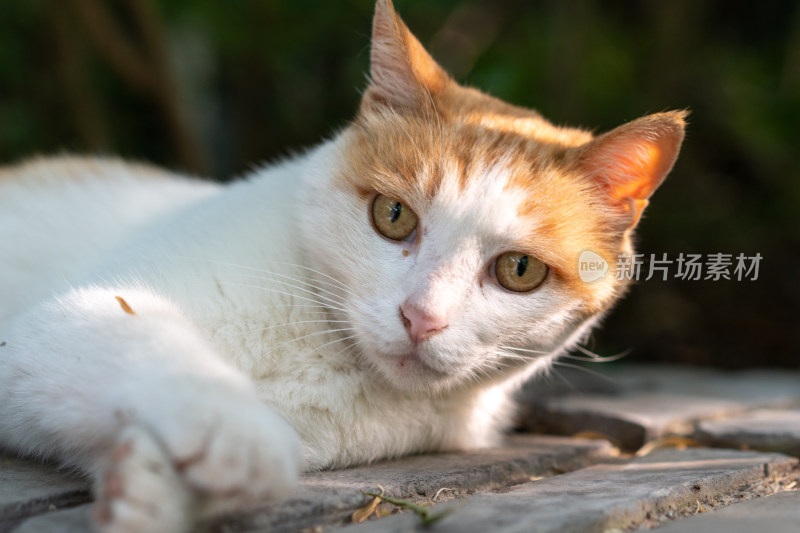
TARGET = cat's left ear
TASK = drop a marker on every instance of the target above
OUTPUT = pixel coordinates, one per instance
(631, 161)
(402, 74)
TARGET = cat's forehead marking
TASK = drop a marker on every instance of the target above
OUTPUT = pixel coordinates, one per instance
(533, 127)
(483, 179)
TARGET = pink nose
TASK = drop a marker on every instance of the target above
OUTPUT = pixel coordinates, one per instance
(419, 324)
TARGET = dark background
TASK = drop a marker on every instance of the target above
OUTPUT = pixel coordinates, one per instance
(214, 87)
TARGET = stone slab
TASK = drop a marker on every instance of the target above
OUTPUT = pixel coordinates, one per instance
(326, 498)
(641, 403)
(602, 497)
(28, 488)
(776, 513)
(765, 429)
(66, 521)
(330, 498)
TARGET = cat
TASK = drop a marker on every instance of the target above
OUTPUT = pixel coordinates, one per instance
(193, 347)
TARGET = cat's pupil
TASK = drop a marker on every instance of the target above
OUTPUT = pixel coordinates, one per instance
(397, 208)
(522, 265)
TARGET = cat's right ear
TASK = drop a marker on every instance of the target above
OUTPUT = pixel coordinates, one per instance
(630, 162)
(403, 75)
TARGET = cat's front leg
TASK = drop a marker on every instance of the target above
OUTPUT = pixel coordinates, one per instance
(120, 383)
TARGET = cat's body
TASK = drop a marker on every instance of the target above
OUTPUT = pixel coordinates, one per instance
(153, 319)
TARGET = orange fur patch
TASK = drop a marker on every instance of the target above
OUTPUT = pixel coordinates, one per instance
(402, 154)
(581, 193)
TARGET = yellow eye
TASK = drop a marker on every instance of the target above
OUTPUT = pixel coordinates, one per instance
(392, 219)
(519, 272)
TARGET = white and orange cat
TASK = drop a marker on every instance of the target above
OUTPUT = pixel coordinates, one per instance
(193, 346)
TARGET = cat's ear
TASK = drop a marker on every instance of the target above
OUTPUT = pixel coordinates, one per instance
(402, 74)
(631, 161)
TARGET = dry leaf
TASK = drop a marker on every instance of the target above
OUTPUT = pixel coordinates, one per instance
(125, 306)
(589, 434)
(440, 491)
(700, 508)
(365, 512)
(596, 435)
(791, 485)
(426, 515)
(680, 443)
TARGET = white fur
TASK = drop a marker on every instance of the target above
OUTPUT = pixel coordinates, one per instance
(273, 290)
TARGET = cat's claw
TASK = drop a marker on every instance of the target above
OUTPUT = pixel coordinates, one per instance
(140, 489)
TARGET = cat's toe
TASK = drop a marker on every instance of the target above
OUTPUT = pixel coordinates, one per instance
(253, 455)
(139, 489)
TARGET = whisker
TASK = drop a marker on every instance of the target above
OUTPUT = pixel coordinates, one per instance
(263, 271)
(334, 341)
(269, 289)
(314, 334)
(306, 281)
(564, 380)
(584, 369)
(301, 322)
(607, 359)
(338, 301)
(516, 349)
(596, 358)
(349, 346)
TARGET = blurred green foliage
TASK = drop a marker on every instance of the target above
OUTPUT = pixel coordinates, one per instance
(256, 79)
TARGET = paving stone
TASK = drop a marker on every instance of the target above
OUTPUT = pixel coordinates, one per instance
(331, 497)
(28, 488)
(777, 513)
(765, 429)
(602, 497)
(71, 520)
(641, 403)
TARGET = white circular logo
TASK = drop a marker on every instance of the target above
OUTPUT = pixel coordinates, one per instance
(591, 266)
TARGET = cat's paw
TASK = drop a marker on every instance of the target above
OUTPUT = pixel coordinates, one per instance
(234, 451)
(139, 489)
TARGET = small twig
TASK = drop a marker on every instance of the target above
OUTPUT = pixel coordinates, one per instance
(423, 512)
(440, 491)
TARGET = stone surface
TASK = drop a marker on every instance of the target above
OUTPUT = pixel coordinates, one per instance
(636, 404)
(28, 488)
(765, 429)
(331, 497)
(602, 497)
(777, 513)
(71, 520)
(536, 483)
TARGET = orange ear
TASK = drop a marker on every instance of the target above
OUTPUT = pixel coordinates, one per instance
(403, 74)
(631, 161)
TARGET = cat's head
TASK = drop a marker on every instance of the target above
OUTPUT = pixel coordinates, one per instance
(457, 220)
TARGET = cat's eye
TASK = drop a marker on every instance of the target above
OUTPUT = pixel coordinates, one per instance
(392, 219)
(519, 272)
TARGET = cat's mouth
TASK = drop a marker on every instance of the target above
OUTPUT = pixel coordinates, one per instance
(412, 368)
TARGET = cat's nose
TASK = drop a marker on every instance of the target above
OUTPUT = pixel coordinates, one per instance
(419, 324)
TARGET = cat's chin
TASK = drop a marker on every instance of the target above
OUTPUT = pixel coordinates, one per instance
(410, 371)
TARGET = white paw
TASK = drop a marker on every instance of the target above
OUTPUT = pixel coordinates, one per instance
(139, 488)
(233, 450)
